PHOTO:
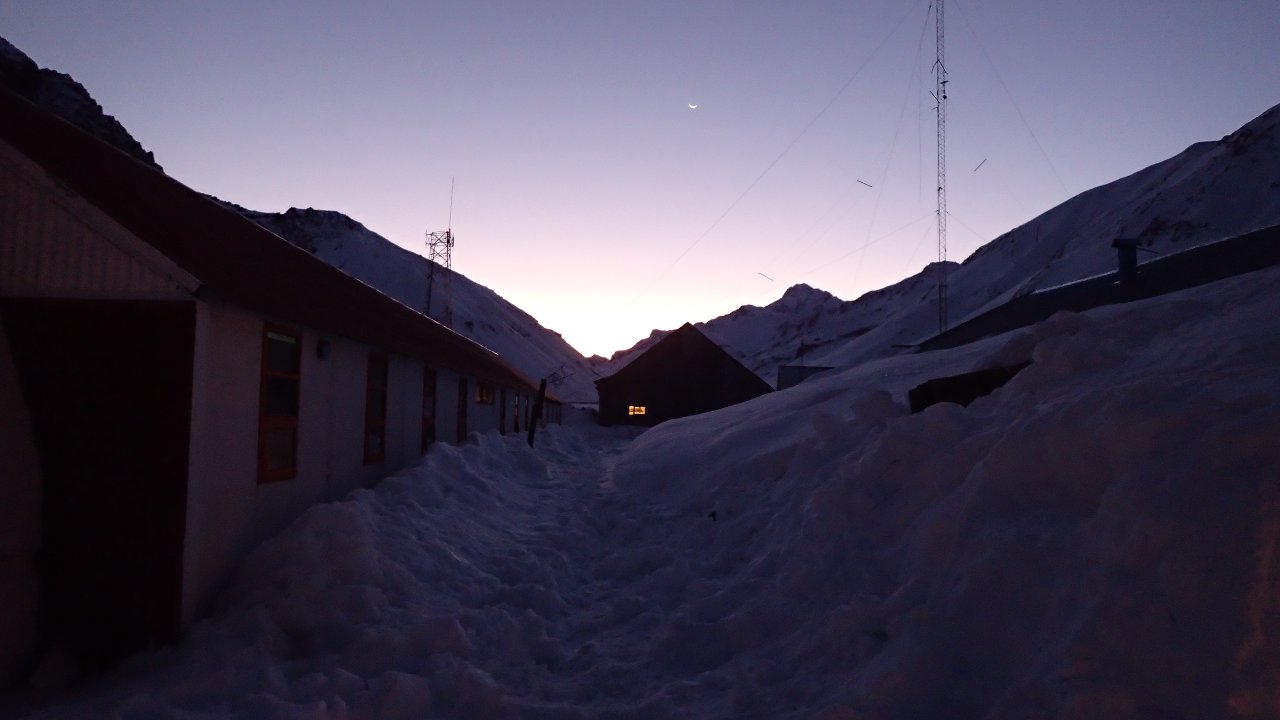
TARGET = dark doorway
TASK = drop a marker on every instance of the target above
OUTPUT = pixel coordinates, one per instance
(462, 409)
(428, 407)
(502, 411)
(962, 389)
(108, 386)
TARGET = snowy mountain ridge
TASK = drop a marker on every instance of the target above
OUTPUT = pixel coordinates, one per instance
(1210, 191)
(61, 95)
(478, 312)
(804, 322)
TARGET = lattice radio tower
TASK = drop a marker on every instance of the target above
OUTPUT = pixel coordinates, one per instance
(440, 255)
(940, 95)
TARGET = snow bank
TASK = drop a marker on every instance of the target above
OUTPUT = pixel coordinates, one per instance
(1098, 538)
(1094, 540)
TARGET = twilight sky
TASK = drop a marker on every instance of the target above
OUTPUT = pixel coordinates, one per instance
(592, 196)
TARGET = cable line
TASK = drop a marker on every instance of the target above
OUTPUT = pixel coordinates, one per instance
(1014, 103)
(866, 245)
(779, 156)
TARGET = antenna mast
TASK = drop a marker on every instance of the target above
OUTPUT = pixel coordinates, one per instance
(440, 254)
(940, 95)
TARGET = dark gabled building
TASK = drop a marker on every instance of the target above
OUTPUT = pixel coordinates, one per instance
(683, 374)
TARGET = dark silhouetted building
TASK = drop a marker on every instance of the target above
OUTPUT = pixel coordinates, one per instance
(683, 374)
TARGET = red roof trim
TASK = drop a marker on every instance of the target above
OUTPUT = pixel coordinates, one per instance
(236, 260)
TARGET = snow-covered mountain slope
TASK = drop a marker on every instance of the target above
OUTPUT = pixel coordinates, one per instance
(61, 95)
(1099, 538)
(796, 328)
(478, 312)
(1210, 191)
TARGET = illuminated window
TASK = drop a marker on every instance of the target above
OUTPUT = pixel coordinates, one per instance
(278, 404)
(484, 394)
(635, 409)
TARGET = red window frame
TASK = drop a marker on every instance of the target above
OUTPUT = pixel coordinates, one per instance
(280, 388)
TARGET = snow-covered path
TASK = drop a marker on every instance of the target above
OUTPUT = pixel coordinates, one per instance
(1098, 538)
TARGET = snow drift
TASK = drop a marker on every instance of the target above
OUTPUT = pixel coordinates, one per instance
(1097, 538)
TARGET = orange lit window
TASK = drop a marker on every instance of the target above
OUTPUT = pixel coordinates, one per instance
(484, 394)
(635, 409)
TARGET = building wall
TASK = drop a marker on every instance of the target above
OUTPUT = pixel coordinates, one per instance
(447, 407)
(53, 244)
(19, 523)
(222, 478)
(228, 511)
(484, 416)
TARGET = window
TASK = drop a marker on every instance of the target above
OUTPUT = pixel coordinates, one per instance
(484, 394)
(635, 409)
(375, 409)
(278, 404)
(515, 422)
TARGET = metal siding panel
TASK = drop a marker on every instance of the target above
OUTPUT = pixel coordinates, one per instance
(47, 250)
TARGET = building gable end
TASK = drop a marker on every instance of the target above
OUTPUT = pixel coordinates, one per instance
(55, 243)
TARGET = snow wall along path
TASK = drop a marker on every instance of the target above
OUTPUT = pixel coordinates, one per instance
(1098, 539)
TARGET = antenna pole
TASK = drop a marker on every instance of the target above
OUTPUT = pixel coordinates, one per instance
(940, 94)
(440, 254)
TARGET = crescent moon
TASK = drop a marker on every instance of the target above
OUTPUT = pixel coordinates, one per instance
(692, 106)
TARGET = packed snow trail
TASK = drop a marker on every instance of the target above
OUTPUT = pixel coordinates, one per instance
(1096, 539)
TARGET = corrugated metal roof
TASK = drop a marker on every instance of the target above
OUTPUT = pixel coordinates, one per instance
(235, 260)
